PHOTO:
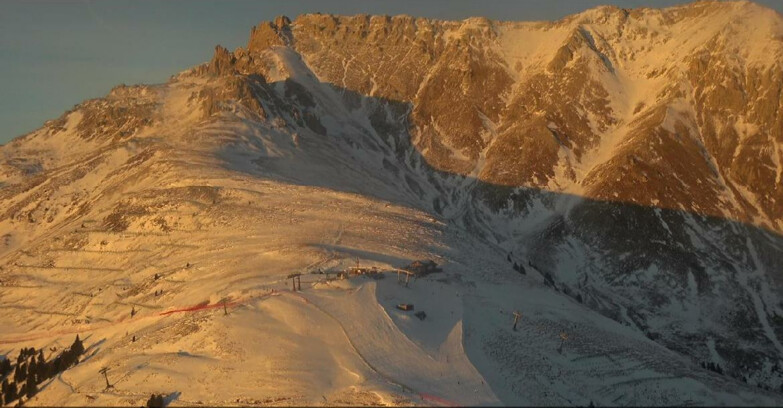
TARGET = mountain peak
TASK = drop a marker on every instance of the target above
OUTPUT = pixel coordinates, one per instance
(616, 176)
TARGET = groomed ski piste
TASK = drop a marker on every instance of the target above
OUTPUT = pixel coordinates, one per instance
(223, 212)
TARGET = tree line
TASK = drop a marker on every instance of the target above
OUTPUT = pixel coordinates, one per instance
(30, 370)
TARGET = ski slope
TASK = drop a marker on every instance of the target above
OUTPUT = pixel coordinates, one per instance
(213, 210)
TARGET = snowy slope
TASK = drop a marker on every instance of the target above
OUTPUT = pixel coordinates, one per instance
(282, 159)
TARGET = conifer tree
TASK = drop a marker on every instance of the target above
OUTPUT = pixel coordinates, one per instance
(5, 367)
(21, 370)
(41, 366)
(77, 347)
(31, 388)
(155, 401)
(11, 392)
(65, 360)
(32, 371)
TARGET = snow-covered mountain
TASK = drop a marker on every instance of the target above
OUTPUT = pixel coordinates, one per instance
(614, 176)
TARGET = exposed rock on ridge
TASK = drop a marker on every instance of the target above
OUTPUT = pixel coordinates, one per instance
(629, 159)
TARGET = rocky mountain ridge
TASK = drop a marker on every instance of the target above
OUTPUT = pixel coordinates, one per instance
(602, 78)
(628, 159)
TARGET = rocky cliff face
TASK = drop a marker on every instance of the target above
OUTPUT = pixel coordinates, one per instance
(651, 139)
(609, 90)
(630, 159)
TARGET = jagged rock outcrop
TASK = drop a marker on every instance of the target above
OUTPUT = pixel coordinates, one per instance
(520, 119)
(672, 114)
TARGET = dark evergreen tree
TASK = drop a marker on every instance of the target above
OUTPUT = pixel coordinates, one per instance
(31, 388)
(57, 365)
(12, 394)
(32, 370)
(5, 367)
(21, 371)
(155, 401)
(69, 358)
(41, 366)
(77, 347)
(65, 359)
(48, 370)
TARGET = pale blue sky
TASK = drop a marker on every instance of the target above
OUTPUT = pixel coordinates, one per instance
(55, 54)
